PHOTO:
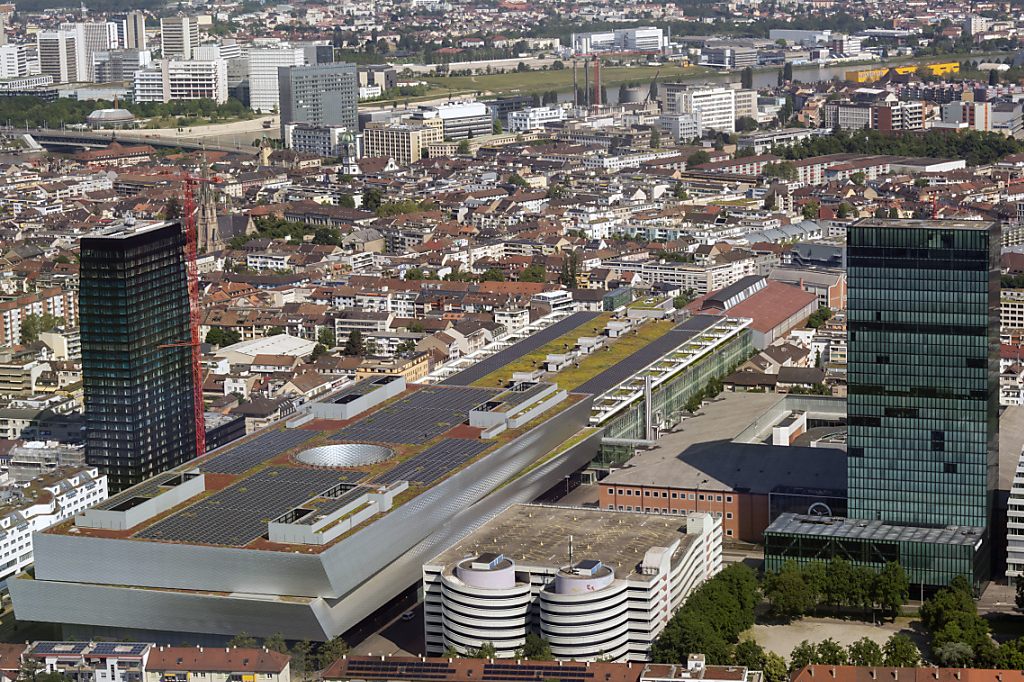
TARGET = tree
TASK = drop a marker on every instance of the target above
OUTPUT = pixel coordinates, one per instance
(838, 575)
(413, 274)
(858, 178)
(33, 325)
(785, 170)
(317, 351)
(865, 651)
(486, 650)
(536, 649)
(810, 209)
(901, 652)
(655, 138)
(463, 148)
(831, 652)
(172, 209)
(242, 641)
(497, 128)
(219, 336)
(683, 299)
(775, 668)
(891, 588)
(787, 593)
(327, 337)
(30, 669)
(330, 651)
(787, 72)
(993, 77)
(533, 273)
(492, 275)
(745, 124)
(817, 319)
(518, 180)
(354, 343)
(747, 78)
(570, 270)
(327, 235)
(953, 655)
(372, 199)
(276, 643)
(697, 158)
(843, 211)
(276, 330)
(1011, 655)
(557, 65)
(1019, 595)
(803, 655)
(711, 619)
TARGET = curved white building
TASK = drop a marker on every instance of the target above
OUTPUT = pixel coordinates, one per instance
(485, 600)
(594, 584)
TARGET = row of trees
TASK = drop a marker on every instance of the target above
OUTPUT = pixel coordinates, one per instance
(711, 619)
(796, 590)
(306, 659)
(974, 146)
(899, 651)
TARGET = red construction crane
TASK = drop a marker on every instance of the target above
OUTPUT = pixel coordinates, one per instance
(188, 184)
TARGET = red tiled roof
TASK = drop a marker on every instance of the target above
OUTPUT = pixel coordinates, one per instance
(772, 305)
(853, 673)
(216, 659)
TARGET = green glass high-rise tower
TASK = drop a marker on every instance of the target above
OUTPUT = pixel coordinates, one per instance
(923, 401)
(923, 371)
(137, 374)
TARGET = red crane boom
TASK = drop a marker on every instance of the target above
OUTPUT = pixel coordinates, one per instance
(189, 183)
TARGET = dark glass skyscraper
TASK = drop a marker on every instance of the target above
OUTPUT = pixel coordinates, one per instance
(923, 371)
(133, 303)
(923, 381)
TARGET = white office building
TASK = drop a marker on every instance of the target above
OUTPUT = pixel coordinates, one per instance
(91, 37)
(33, 506)
(171, 80)
(714, 104)
(13, 61)
(179, 37)
(639, 39)
(594, 584)
(59, 56)
(534, 118)
(682, 127)
(264, 88)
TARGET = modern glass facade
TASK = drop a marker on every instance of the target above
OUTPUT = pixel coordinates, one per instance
(922, 319)
(670, 398)
(320, 95)
(923, 371)
(133, 302)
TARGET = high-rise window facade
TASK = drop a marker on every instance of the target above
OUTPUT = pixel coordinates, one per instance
(136, 364)
(923, 326)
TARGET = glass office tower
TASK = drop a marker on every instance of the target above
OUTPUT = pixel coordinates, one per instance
(923, 371)
(133, 303)
(923, 382)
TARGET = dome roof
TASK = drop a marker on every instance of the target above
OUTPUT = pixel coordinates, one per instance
(110, 116)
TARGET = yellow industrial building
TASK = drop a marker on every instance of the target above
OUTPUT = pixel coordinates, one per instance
(873, 75)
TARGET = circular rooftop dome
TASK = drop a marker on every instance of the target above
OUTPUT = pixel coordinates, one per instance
(110, 118)
(345, 455)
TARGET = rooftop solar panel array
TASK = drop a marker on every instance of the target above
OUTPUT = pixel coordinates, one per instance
(508, 672)
(419, 670)
(238, 514)
(518, 350)
(119, 648)
(647, 355)
(70, 648)
(240, 459)
(419, 417)
(436, 461)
